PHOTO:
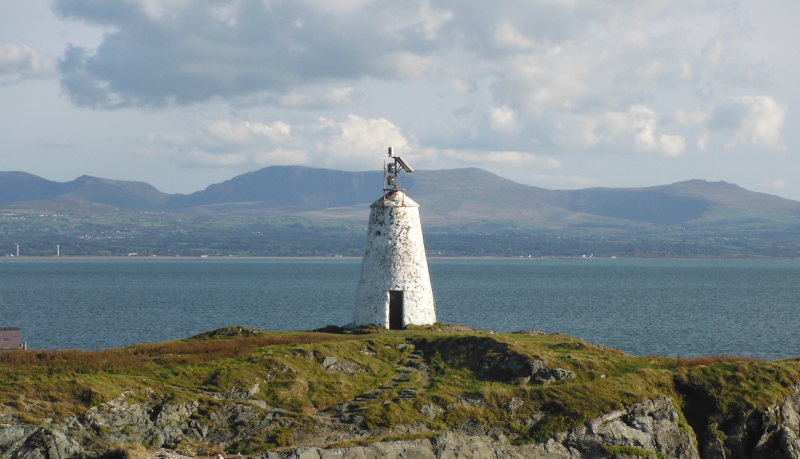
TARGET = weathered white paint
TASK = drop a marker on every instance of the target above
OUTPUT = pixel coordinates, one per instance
(394, 260)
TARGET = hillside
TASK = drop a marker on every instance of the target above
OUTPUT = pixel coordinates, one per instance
(301, 211)
(441, 391)
(447, 197)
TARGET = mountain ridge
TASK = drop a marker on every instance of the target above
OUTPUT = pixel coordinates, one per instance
(447, 197)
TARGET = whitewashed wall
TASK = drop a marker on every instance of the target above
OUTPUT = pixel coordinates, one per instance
(394, 260)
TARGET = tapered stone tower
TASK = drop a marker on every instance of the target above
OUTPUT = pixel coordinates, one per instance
(395, 286)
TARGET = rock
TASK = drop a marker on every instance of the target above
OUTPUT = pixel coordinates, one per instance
(335, 365)
(536, 371)
(771, 433)
(446, 446)
(328, 362)
(430, 411)
(649, 426)
(13, 436)
(513, 405)
(528, 332)
(451, 445)
(48, 443)
(238, 394)
(547, 376)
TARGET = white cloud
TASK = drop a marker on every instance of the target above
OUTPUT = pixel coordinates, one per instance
(507, 36)
(322, 98)
(537, 83)
(189, 52)
(18, 61)
(642, 121)
(162, 9)
(248, 132)
(404, 65)
(692, 118)
(702, 139)
(242, 145)
(504, 119)
(777, 184)
(503, 158)
(331, 6)
(354, 141)
(762, 123)
(427, 76)
(635, 131)
(747, 120)
(340, 144)
(714, 53)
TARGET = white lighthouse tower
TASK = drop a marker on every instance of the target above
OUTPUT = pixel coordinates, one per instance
(395, 287)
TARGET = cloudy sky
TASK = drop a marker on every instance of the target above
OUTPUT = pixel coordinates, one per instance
(554, 93)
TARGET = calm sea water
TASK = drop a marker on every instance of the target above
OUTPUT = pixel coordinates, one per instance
(665, 307)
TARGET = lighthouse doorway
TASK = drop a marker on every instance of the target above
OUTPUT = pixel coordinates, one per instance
(396, 310)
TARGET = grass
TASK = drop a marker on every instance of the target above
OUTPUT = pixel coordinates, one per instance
(465, 380)
(734, 387)
(65, 382)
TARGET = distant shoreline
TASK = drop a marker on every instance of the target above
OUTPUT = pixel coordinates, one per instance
(317, 257)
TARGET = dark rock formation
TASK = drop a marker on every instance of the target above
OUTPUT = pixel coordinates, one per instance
(651, 426)
(648, 428)
(755, 434)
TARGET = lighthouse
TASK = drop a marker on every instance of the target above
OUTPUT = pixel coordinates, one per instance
(395, 286)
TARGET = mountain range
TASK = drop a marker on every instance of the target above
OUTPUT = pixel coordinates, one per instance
(448, 199)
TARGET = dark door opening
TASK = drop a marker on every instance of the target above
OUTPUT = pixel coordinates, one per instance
(396, 310)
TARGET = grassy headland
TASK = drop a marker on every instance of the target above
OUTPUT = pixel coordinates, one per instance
(440, 377)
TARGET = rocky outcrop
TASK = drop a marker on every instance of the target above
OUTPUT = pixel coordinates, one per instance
(335, 365)
(649, 428)
(652, 428)
(497, 361)
(449, 445)
(126, 420)
(46, 443)
(413, 410)
(772, 433)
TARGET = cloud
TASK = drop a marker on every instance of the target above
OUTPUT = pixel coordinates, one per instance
(326, 142)
(776, 185)
(760, 122)
(746, 120)
(179, 52)
(322, 98)
(503, 82)
(504, 119)
(541, 54)
(446, 158)
(633, 131)
(356, 141)
(536, 83)
(348, 143)
(248, 132)
(19, 61)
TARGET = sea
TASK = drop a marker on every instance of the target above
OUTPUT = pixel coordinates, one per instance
(667, 307)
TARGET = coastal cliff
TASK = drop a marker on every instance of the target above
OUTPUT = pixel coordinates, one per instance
(432, 392)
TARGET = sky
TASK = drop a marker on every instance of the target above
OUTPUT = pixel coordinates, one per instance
(560, 94)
